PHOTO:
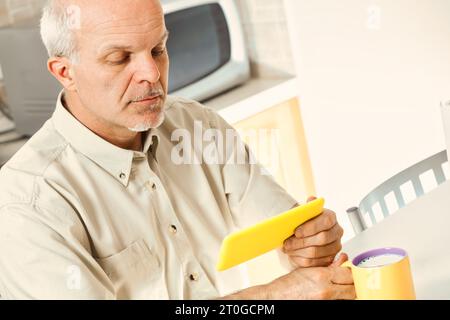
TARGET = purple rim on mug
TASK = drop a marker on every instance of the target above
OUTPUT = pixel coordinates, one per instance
(378, 252)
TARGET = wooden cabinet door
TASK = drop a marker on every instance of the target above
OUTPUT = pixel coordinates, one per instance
(280, 145)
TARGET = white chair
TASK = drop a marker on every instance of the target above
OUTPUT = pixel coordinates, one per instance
(412, 174)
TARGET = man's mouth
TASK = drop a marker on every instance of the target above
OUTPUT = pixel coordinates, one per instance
(147, 99)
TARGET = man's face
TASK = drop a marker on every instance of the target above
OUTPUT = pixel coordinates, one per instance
(122, 73)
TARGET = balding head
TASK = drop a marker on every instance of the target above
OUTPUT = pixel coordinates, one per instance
(64, 20)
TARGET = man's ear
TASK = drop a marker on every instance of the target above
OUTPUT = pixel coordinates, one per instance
(61, 69)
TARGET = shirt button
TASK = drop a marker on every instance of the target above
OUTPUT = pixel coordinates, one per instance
(151, 186)
(122, 175)
(194, 276)
(173, 229)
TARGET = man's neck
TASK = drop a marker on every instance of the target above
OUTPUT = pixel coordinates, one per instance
(119, 137)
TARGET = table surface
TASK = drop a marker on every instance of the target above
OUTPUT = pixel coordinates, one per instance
(422, 228)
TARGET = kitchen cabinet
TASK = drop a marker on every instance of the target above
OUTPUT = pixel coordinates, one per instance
(280, 144)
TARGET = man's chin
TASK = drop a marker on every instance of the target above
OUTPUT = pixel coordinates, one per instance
(147, 125)
(140, 128)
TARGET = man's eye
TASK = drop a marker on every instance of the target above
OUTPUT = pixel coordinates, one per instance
(118, 59)
(158, 52)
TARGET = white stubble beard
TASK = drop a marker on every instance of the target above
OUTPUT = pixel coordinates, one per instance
(144, 127)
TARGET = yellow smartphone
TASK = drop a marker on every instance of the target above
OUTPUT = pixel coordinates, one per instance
(266, 235)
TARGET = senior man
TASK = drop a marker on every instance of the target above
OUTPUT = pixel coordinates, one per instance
(94, 205)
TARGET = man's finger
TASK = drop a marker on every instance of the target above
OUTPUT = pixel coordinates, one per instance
(293, 243)
(322, 222)
(315, 252)
(321, 239)
(342, 275)
(324, 238)
(340, 259)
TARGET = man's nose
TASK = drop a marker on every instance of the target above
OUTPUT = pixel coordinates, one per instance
(147, 69)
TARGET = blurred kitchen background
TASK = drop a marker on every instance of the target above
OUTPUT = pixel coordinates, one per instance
(351, 89)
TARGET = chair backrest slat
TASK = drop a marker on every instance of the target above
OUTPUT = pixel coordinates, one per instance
(399, 197)
(372, 216)
(439, 175)
(384, 207)
(418, 189)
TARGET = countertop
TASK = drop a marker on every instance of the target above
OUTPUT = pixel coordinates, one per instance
(255, 96)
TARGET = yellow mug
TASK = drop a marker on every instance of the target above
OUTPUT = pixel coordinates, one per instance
(382, 274)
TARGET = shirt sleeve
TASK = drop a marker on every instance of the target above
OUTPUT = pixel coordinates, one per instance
(44, 255)
(252, 193)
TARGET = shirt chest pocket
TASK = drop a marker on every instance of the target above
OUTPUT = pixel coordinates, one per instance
(135, 272)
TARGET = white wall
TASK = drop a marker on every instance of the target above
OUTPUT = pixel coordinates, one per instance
(371, 79)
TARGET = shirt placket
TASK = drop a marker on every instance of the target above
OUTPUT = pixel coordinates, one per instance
(193, 274)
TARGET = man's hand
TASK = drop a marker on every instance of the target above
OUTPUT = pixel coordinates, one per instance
(332, 282)
(316, 242)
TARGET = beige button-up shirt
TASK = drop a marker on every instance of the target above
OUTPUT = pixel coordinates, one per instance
(83, 219)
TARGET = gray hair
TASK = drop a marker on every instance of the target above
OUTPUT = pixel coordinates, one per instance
(58, 22)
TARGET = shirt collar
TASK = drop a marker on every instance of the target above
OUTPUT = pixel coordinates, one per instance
(116, 161)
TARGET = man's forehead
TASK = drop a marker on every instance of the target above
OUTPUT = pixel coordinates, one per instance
(99, 15)
(128, 45)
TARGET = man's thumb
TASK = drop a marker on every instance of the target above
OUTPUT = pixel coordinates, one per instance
(311, 198)
(340, 260)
